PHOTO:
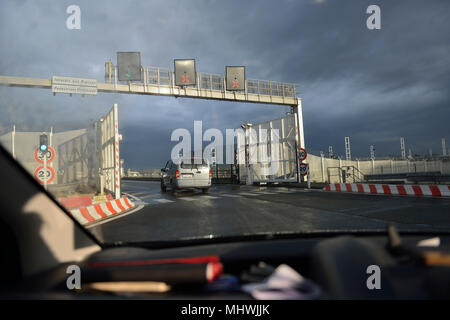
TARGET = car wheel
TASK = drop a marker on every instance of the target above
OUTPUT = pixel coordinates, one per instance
(205, 190)
(173, 188)
(163, 187)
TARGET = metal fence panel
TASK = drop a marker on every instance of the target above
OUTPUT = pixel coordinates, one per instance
(258, 146)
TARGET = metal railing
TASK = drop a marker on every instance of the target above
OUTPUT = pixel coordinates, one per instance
(346, 174)
(207, 81)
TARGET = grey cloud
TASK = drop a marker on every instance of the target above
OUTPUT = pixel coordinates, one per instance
(372, 85)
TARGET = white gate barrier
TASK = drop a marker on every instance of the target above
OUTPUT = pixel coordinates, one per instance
(110, 151)
(268, 151)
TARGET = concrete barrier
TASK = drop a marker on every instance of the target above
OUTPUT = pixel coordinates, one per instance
(391, 189)
(81, 201)
(101, 211)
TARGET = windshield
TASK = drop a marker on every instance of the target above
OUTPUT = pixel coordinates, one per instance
(310, 116)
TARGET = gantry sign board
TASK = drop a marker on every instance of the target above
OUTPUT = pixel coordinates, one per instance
(129, 66)
(74, 85)
(185, 73)
(235, 78)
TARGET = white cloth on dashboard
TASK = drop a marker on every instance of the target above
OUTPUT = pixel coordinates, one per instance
(283, 284)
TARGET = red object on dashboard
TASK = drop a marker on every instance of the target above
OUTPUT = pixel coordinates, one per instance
(191, 260)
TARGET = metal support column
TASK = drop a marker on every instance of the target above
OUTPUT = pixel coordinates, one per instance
(13, 141)
(299, 134)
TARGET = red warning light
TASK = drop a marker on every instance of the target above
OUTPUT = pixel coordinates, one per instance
(235, 78)
(184, 78)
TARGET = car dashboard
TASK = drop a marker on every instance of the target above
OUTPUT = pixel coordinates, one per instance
(341, 266)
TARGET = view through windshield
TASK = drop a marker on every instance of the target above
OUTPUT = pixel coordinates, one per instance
(171, 120)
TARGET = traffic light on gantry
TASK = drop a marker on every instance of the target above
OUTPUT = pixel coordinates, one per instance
(43, 142)
(185, 73)
(235, 78)
(129, 66)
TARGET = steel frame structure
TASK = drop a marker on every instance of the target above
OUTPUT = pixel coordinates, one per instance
(160, 82)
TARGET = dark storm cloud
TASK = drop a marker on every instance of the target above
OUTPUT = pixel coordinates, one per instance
(374, 86)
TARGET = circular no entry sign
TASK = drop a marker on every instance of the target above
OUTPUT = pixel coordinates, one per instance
(44, 175)
(302, 154)
(49, 154)
(303, 169)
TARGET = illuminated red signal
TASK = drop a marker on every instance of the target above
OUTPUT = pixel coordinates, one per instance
(185, 74)
(235, 78)
(184, 78)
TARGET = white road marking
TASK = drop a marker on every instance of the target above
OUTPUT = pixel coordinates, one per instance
(248, 194)
(148, 196)
(230, 195)
(163, 200)
(187, 198)
(138, 193)
(264, 192)
(209, 197)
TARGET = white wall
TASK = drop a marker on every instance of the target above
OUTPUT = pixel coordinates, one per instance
(318, 167)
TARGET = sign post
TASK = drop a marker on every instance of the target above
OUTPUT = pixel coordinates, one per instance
(302, 154)
(44, 174)
(45, 170)
(303, 167)
(304, 171)
(309, 179)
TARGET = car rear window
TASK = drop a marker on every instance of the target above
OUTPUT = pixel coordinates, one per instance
(187, 165)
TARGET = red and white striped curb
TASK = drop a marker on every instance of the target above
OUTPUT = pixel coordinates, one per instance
(406, 190)
(102, 210)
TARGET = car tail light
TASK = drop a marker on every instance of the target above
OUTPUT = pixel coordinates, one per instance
(177, 174)
(210, 174)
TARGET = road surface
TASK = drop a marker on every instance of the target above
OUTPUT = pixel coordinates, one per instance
(230, 210)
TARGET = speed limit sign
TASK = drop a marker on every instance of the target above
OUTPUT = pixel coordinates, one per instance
(39, 155)
(303, 169)
(44, 175)
(302, 154)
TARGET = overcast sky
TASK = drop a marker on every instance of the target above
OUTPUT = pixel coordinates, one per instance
(372, 85)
